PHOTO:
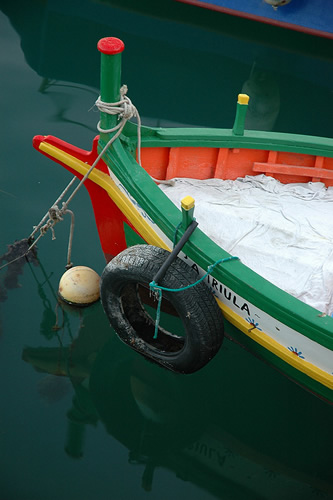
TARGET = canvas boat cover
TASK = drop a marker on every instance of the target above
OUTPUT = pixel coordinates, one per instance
(284, 232)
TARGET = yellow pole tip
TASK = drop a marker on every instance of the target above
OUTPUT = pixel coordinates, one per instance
(188, 202)
(243, 99)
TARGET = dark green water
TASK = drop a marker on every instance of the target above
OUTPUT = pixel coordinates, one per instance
(115, 426)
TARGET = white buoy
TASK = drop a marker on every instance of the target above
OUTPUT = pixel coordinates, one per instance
(79, 286)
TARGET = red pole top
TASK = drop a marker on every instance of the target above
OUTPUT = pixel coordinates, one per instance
(110, 45)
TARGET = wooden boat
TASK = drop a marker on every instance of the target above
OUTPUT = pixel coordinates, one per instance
(315, 18)
(139, 225)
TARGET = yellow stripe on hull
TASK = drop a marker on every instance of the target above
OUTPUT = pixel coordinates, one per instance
(271, 345)
(105, 182)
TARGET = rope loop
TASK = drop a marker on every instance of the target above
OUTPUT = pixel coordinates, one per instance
(158, 289)
(124, 108)
(55, 214)
(44, 229)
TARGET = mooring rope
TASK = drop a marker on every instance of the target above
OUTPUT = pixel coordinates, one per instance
(126, 110)
(36, 228)
(55, 215)
(154, 287)
(175, 234)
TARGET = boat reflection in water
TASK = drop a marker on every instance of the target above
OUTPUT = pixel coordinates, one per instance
(264, 104)
(219, 51)
(221, 429)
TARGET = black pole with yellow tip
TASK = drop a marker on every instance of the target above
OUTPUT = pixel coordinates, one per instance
(190, 223)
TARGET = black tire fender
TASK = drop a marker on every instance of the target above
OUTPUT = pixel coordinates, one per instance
(196, 307)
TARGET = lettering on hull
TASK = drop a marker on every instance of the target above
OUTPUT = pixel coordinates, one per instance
(223, 293)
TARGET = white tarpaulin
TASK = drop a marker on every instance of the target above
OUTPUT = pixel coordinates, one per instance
(284, 232)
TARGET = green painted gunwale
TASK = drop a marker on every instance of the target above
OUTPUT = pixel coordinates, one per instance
(224, 138)
(201, 249)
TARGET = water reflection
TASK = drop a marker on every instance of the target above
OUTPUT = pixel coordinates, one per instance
(63, 96)
(237, 429)
(203, 428)
(13, 261)
(264, 104)
(58, 39)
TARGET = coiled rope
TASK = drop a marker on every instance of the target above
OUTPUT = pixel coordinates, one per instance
(126, 110)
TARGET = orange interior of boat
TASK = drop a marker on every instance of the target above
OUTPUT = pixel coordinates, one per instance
(231, 163)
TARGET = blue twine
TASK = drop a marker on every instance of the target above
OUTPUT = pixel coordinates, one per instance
(158, 313)
(175, 235)
(155, 287)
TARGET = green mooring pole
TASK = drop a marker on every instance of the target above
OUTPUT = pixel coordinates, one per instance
(238, 128)
(110, 49)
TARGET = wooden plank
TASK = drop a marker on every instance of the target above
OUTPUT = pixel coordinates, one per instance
(278, 168)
